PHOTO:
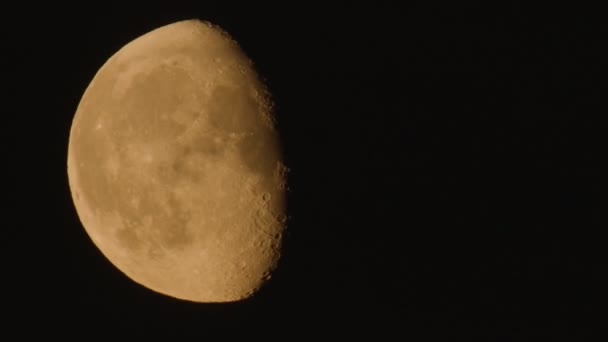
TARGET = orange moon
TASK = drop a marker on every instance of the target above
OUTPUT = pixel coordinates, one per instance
(175, 165)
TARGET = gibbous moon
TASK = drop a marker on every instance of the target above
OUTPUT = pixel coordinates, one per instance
(175, 165)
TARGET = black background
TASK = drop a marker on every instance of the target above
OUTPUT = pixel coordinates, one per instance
(445, 170)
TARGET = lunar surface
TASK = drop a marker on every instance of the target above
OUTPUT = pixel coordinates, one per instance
(175, 165)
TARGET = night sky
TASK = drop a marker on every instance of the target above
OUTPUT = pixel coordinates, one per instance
(445, 171)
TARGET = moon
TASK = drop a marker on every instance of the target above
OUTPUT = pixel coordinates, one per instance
(175, 165)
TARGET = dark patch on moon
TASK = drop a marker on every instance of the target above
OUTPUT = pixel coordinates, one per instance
(184, 169)
(231, 110)
(234, 110)
(259, 151)
(127, 237)
(211, 145)
(174, 228)
(166, 224)
(170, 86)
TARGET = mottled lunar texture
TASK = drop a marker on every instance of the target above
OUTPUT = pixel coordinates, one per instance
(175, 167)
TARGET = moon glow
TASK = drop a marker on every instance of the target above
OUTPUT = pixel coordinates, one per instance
(175, 165)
